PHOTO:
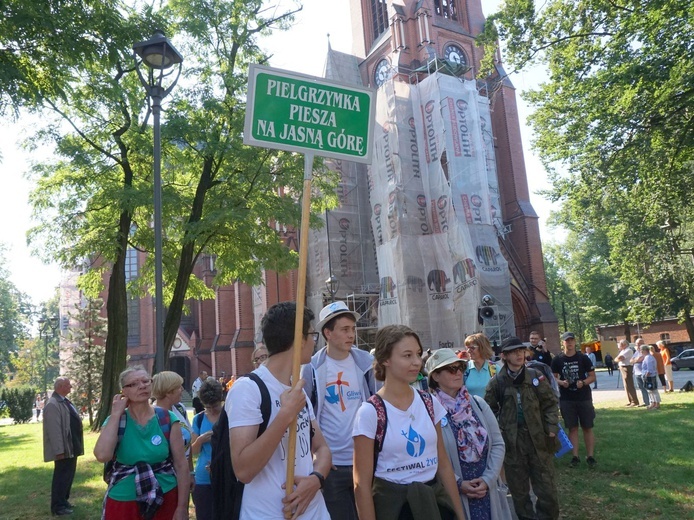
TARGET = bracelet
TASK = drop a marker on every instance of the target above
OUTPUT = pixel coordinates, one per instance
(321, 478)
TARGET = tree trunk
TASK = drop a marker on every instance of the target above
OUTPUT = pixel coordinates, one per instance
(187, 261)
(627, 331)
(117, 319)
(689, 323)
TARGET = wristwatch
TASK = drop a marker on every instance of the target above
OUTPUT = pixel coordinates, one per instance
(321, 478)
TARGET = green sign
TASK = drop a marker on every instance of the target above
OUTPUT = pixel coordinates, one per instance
(301, 113)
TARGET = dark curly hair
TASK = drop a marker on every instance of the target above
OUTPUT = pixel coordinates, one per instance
(210, 392)
(386, 338)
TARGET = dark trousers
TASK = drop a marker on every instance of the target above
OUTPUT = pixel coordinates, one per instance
(203, 498)
(63, 475)
(628, 379)
(660, 376)
(338, 494)
(197, 405)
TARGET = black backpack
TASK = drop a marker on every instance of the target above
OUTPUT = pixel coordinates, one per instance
(227, 490)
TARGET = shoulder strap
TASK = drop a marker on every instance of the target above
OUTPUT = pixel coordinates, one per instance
(164, 421)
(314, 391)
(381, 424)
(121, 429)
(265, 402)
(429, 403)
(198, 420)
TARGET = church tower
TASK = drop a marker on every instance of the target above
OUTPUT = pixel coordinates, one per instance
(457, 241)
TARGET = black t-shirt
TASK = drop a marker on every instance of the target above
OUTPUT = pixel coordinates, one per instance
(573, 369)
(542, 356)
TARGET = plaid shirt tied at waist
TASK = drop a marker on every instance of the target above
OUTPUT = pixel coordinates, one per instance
(149, 495)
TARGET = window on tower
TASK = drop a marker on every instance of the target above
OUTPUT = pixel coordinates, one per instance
(446, 9)
(379, 17)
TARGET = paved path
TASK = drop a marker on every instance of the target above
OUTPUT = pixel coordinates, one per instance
(610, 388)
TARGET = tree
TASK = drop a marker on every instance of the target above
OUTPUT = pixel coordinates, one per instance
(41, 43)
(219, 197)
(15, 313)
(85, 365)
(614, 126)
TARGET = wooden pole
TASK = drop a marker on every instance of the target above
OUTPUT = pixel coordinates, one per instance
(300, 297)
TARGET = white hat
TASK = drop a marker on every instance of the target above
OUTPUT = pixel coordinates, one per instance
(333, 310)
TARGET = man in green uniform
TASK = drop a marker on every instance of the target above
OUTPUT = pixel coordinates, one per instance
(526, 407)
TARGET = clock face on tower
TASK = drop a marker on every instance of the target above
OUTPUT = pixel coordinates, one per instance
(382, 72)
(454, 54)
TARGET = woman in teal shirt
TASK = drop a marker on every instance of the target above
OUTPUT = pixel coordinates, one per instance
(480, 368)
(147, 444)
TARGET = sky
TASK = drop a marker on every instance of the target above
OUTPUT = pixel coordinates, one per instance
(301, 49)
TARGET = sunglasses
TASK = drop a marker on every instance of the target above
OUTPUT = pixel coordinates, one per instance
(454, 368)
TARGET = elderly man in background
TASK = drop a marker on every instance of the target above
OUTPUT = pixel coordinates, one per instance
(63, 442)
(623, 360)
(197, 404)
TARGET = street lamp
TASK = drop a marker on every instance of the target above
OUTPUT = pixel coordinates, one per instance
(46, 325)
(158, 55)
(332, 284)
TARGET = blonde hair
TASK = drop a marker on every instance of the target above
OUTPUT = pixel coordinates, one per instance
(165, 382)
(482, 342)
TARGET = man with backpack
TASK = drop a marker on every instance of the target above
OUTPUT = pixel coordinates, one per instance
(526, 408)
(338, 380)
(259, 459)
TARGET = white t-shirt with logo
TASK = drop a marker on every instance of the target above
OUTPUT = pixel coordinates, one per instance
(262, 497)
(410, 447)
(342, 399)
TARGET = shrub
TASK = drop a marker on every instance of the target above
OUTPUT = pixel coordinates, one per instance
(19, 403)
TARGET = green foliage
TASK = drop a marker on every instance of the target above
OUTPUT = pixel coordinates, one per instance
(19, 402)
(86, 350)
(613, 125)
(42, 41)
(15, 313)
(220, 198)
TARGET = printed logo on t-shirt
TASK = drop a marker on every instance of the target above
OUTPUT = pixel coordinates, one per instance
(336, 392)
(415, 442)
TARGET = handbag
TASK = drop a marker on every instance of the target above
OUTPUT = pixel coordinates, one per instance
(649, 383)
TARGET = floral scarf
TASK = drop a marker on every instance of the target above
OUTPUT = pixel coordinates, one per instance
(472, 436)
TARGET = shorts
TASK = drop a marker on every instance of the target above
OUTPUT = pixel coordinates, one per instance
(575, 412)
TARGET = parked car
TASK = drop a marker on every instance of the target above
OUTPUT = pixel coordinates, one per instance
(684, 360)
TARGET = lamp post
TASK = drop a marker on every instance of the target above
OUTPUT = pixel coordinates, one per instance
(158, 55)
(332, 284)
(46, 325)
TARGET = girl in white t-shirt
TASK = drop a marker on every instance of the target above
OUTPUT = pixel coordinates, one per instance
(412, 473)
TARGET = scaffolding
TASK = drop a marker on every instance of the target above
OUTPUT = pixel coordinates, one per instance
(366, 304)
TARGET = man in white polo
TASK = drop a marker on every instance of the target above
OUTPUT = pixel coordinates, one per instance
(338, 380)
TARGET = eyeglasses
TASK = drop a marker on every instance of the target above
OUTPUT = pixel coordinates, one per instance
(260, 358)
(454, 368)
(144, 382)
(314, 335)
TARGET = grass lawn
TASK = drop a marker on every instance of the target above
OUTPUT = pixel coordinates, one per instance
(645, 469)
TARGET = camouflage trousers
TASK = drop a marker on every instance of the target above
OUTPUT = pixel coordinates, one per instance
(524, 466)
